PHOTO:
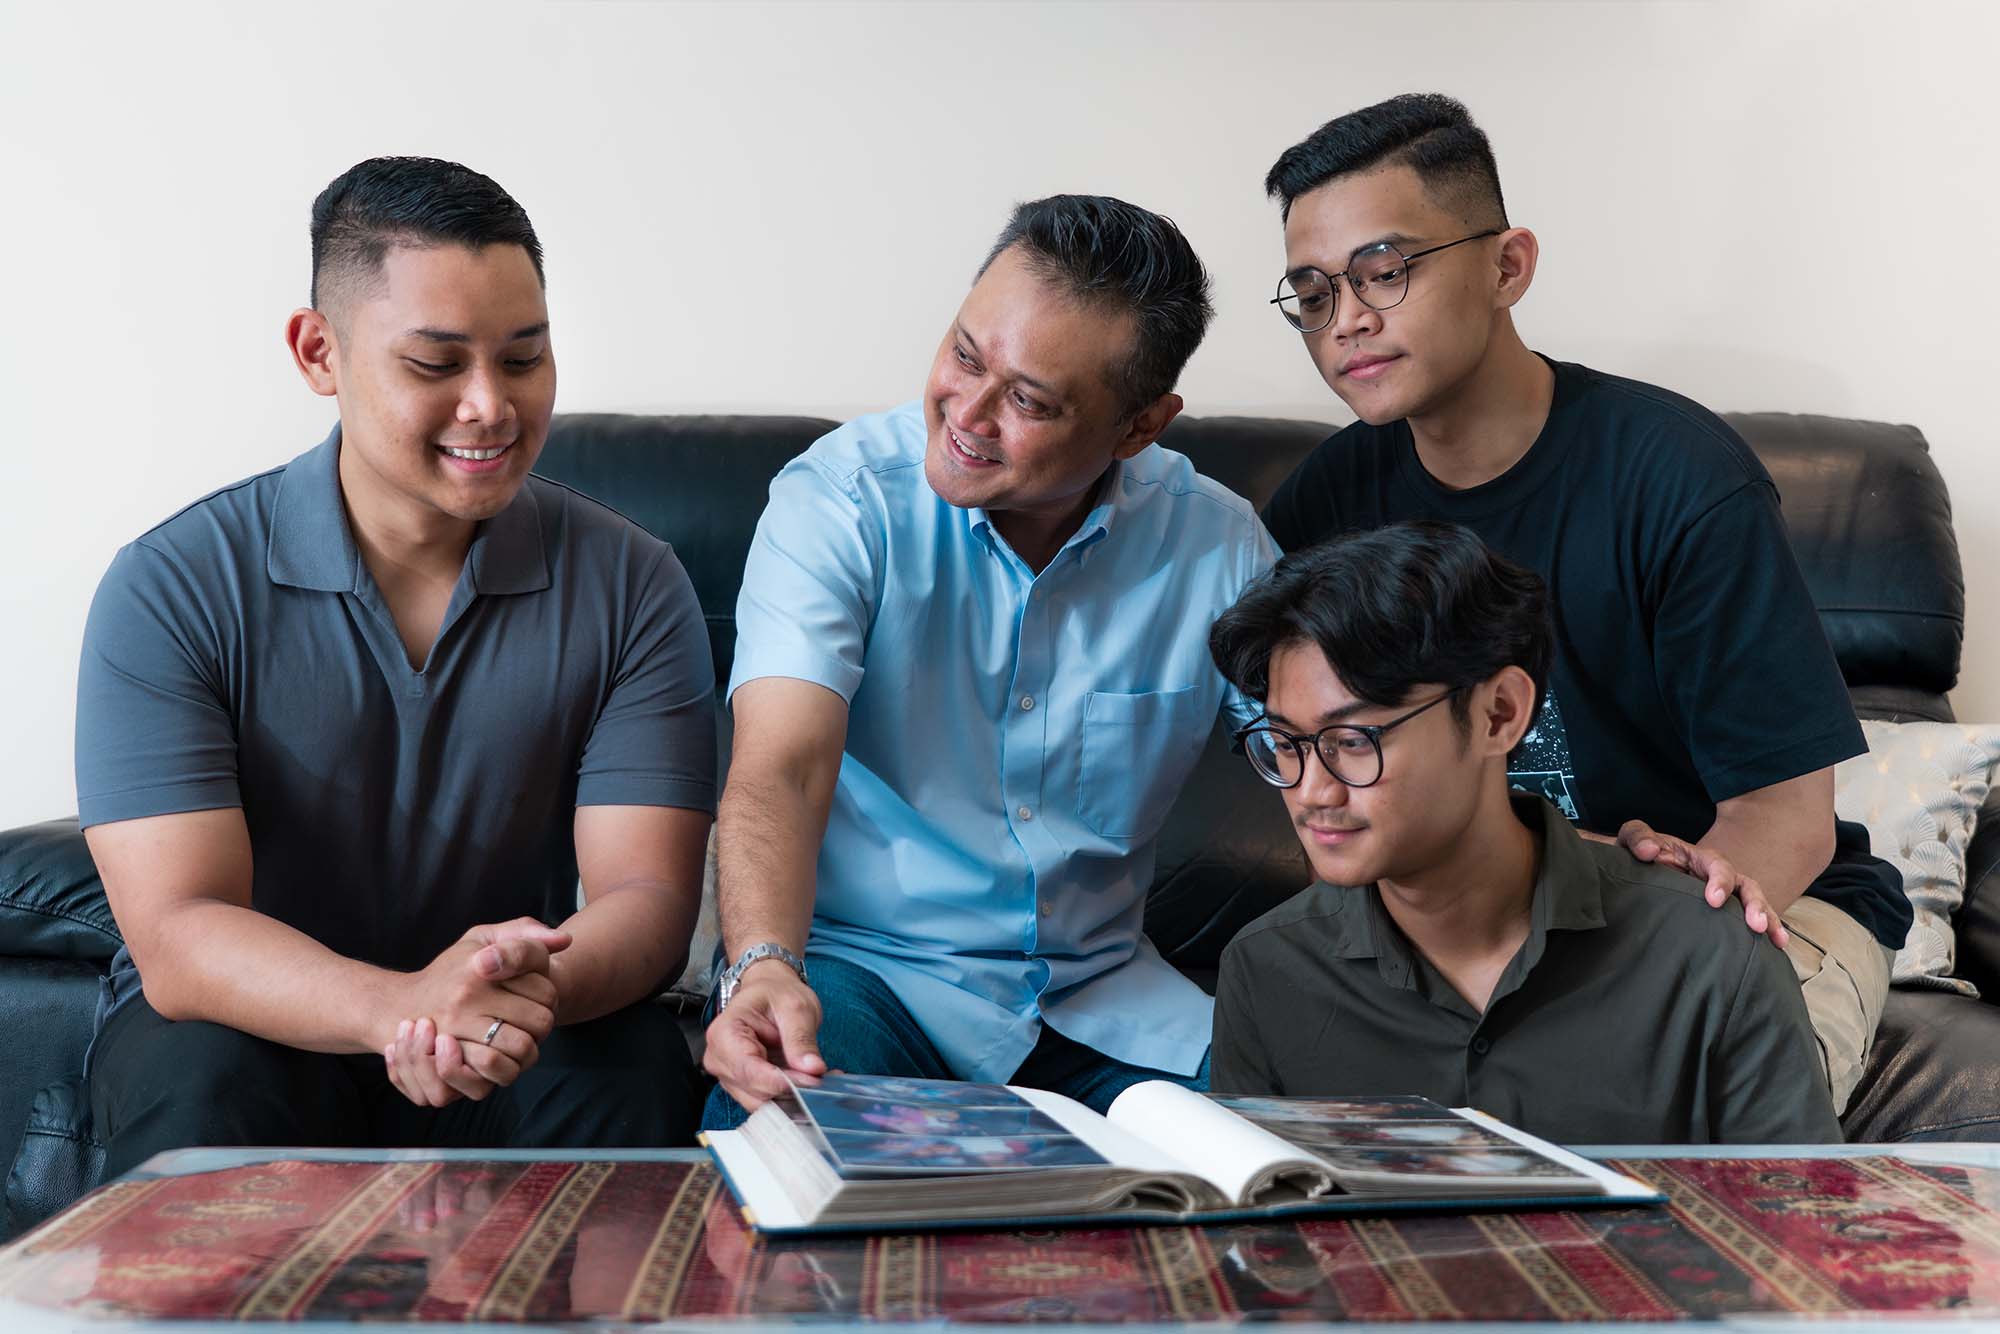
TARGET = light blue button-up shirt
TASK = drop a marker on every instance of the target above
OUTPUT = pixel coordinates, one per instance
(1013, 741)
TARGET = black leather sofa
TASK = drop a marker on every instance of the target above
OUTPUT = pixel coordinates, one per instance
(1869, 518)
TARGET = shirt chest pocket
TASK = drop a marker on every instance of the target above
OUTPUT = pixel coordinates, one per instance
(1137, 751)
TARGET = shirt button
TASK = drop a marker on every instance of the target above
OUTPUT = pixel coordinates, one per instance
(1047, 907)
(1027, 702)
(1480, 1046)
(1025, 813)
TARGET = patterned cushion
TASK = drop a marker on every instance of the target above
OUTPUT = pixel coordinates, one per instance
(1919, 789)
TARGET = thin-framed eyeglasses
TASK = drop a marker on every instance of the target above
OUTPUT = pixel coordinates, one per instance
(1351, 752)
(1379, 275)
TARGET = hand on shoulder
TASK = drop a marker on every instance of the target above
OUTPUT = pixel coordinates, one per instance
(1724, 881)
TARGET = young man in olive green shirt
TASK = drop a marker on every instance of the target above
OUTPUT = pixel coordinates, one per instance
(1466, 943)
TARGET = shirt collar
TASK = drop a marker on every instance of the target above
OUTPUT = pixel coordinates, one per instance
(312, 547)
(1568, 897)
(1096, 523)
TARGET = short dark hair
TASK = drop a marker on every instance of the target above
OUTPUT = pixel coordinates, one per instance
(1100, 249)
(419, 201)
(1430, 133)
(1415, 603)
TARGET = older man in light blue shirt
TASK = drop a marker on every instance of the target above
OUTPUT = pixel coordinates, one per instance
(972, 649)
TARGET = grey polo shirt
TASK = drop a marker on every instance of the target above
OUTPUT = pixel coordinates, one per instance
(240, 655)
(1633, 1014)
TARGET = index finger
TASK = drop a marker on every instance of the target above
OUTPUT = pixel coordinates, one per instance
(738, 1057)
(536, 987)
(1759, 916)
(512, 957)
(800, 1035)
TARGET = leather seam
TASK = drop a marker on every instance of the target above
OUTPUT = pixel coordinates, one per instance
(1948, 1125)
(1955, 618)
(58, 914)
(55, 1132)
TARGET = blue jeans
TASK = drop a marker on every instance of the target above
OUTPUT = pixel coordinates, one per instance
(866, 1030)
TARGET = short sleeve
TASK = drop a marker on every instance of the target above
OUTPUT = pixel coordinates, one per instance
(155, 732)
(653, 742)
(1238, 1062)
(1769, 1084)
(1742, 661)
(811, 583)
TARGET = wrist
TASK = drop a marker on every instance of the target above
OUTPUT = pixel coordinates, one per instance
(757, 970)
(392, 999)
(766, 952)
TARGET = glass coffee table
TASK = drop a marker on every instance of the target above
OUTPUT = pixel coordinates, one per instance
(1874, 1235)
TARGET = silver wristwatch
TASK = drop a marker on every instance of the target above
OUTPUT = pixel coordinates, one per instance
(725, 985)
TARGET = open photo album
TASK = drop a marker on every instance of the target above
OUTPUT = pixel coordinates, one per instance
(872, 1152)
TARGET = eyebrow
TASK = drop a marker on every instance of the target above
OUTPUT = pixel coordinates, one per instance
(1029, 380)
(452, 336)
(1397, 239)
(1327, 719)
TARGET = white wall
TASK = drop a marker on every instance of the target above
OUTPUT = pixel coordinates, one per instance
(760, 207)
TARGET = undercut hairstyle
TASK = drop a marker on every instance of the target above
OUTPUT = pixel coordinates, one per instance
(1429, 133)
(386, 202)
(1413, 604)
(1106, 252)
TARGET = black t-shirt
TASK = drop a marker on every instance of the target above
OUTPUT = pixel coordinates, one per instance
(1690, 666)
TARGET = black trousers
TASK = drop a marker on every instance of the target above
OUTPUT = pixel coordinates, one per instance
(622, 1081)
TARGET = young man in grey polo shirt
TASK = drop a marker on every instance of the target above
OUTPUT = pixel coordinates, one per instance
(350, 731)
(1466, 943)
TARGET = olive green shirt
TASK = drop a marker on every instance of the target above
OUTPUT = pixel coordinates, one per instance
(1634, 1013)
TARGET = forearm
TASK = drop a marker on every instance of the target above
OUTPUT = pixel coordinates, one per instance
(628, 942)
(767, 853)
(237, 967)
(1783, 855)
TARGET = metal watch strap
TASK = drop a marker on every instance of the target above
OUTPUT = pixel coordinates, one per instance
(770, 949)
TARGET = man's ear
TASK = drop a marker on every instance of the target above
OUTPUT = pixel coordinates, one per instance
(1518, 254)
(1502, 708)
(1148, 424)
(310, 337)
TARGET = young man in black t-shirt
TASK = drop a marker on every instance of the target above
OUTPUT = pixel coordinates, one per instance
(1694, 709)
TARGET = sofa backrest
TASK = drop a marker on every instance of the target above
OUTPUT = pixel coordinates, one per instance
(1866, 507)
(1870, 521)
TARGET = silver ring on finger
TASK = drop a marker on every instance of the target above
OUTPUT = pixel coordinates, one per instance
(492, 1032)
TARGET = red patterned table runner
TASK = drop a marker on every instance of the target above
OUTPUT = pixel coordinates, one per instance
(500, 1241)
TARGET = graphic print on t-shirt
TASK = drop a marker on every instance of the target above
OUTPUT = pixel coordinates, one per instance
(1541, 763)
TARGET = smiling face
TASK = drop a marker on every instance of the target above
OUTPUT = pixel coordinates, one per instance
(1021, 414)
(446, 382)
(1408, 360)
(1413, 817)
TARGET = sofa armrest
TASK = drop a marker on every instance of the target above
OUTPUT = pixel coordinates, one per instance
(52, 904)
(1978, 919)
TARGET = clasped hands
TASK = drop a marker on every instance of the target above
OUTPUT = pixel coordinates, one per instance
(493, 973)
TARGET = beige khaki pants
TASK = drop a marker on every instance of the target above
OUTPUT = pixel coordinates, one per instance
(1843, 972)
